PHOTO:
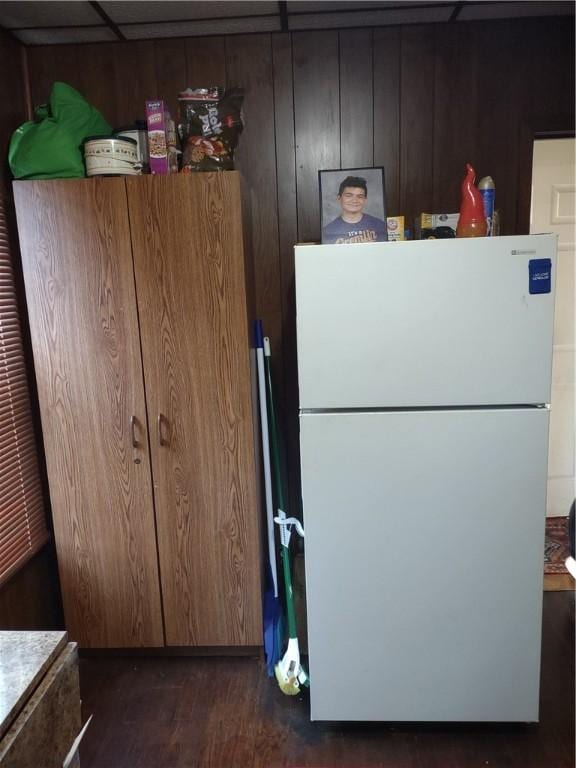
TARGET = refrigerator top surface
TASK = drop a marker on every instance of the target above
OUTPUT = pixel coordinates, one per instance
(426, 323)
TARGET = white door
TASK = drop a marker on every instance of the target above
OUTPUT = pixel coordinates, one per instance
(553, 210)
(424, 561)
(425, 323)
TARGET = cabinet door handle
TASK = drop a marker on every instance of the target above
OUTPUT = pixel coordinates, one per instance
(161, 420)
(133, 422)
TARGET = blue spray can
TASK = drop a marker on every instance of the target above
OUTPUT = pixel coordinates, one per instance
(488, 192)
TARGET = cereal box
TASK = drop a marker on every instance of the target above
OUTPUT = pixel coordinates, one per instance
(156, 123)
(395, 226)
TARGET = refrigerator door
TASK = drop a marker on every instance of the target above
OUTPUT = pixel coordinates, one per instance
(424, 563)
(426, 323)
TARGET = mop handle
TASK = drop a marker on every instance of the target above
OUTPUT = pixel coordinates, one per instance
(266, 454)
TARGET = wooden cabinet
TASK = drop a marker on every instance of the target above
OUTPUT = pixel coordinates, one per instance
(137, 303)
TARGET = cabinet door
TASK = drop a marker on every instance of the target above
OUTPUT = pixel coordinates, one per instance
(77, 260)
(188, 257)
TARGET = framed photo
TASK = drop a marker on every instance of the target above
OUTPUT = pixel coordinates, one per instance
(353, 205)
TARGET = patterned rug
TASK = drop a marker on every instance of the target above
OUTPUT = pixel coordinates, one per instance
(557, 545)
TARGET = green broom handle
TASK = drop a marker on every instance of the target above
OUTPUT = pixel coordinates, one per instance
(284, 551)
(290, 613)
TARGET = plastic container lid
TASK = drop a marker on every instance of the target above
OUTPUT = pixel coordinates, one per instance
(486, 182)
(110, 138)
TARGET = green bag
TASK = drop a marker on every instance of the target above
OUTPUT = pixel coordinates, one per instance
(50, 146)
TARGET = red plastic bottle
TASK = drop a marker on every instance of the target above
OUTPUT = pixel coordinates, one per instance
(472, 221)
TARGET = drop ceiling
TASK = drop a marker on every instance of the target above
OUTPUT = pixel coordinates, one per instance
(51, 23)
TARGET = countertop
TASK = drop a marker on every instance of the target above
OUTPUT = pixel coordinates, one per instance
(25, 657)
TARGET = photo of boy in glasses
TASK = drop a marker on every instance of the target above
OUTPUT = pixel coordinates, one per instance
(353, 225)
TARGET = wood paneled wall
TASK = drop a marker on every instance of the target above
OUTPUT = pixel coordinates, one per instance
(419, 100)
(13, 101)
(31, 599)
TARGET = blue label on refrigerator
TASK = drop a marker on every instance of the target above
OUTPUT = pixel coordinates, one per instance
(540, 275)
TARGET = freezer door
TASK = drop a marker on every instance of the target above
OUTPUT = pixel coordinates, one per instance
(424, 562)
(428, 323)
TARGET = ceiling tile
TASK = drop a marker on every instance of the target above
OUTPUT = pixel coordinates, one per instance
(509, 10)
(152, 19)
(369, 18)
(201, 28)
(323, 6)
(40, 14)
(58, 35)
(134, 12)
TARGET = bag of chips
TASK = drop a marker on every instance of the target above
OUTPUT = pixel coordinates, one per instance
(211, 122)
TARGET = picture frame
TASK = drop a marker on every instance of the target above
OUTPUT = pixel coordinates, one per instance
(352, 205)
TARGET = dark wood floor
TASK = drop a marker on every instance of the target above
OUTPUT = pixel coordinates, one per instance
(225, 713)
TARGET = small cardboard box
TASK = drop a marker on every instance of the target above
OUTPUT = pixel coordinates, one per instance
(157, 144)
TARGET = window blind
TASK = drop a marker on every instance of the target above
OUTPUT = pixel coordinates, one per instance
(22, 520)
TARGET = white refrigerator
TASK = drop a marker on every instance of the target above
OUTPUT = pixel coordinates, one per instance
(424, 377)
